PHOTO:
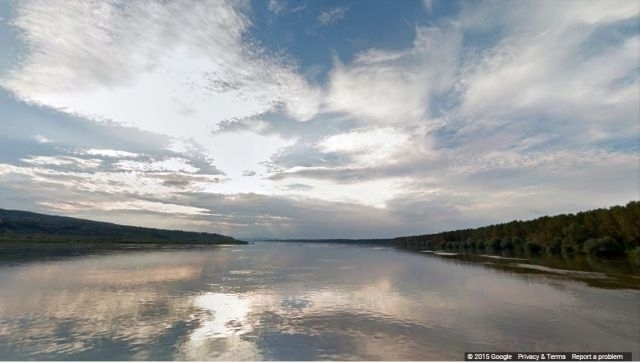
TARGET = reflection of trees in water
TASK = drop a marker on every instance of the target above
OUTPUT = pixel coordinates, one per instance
(596, 272)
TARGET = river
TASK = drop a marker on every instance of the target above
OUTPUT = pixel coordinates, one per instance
(302, 301)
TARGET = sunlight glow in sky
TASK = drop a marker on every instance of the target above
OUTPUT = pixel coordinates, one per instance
(318, 119)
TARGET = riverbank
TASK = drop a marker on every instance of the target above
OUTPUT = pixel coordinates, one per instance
(611, 232)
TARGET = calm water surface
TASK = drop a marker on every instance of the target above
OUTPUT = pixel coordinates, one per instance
(303, 301)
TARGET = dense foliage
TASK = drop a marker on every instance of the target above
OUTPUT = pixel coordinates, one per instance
(28, 226)
(604, 232)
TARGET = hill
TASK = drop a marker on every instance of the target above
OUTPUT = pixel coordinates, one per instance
(605, 232)
(34, 227)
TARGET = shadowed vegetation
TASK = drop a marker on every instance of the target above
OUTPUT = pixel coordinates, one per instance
(601, 232)
(21, 226)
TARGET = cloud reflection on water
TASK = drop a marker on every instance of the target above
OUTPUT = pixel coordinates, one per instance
(218, 334)
(287, 302)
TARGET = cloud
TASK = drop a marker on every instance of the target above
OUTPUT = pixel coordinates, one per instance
(298, 187)
(111, 153)
(65, 161)
(168, 165)
(550, 67)
(276, 6)
(235, 152)
(332, 15)
(42, 139)
(498, 111)
(284, 7)
(173, 68)
(428, 5)
(133, 205)
(279, 216)
(138, 199)
(374, 147)
(393, 87)
(409, 201)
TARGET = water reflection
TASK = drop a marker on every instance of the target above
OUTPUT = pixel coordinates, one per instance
(228, 314)
(616, 273)
(299, 301)
(225, 319)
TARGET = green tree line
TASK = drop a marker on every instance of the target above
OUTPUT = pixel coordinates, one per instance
(603, 232)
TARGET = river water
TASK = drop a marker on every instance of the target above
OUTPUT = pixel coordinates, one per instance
(301, 301)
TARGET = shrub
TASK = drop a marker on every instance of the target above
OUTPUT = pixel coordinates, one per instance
(634, 255)
(507, 244)
(576, 233)
(568, 246)
(606, 246)
(532, 247)
(494, 244)
(555, 246)
(518, 243)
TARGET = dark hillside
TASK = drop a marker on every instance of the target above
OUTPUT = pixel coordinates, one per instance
(29, 226)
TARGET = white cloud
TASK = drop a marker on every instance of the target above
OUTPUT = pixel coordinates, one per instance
(395, 87)
(542, 69)
(172, 164)
(364, 140)
(283, 6)
(332, 15)
(236, 152)
(428, 5)
(373, 193)
(307, 102)
(111, 153)
(367, 149)
(544, 78)
(551, 161)
(547, 14)
(159, 207)
(384, 94)
(42, 139)
(276, 6)
(171, 67)
(532, 113)
(375, 146)
(63, 161)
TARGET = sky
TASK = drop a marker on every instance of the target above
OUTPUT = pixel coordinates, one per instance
(318, 119)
